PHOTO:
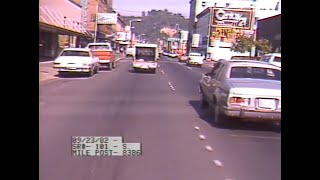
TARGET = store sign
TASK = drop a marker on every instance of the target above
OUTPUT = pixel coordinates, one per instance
(238, 18)
(122, 36)
(195, 40)
(184, 35)
(84, 13)
(107, 18)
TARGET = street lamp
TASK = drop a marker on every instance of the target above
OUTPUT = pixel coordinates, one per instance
(130, 22)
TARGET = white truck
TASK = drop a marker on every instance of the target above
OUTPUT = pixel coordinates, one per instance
(146, 57)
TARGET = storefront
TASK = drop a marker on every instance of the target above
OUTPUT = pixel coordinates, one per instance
(52, 39)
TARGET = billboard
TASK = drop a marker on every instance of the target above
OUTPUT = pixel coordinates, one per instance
(123, 36)
(184, 35)
(236, 18)
(107, 18)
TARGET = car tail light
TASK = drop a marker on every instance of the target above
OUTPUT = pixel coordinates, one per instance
(239, 101)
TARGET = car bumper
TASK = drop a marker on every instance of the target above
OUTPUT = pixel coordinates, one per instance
(195, 63)
(253, 115)
(73, 69)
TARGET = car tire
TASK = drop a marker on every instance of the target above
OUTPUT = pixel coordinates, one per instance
(96, 70)
(110, 66)
(203, 103)
(219, 118)
(113, 65)
(61, 74)
(90, 73)
(154, 71)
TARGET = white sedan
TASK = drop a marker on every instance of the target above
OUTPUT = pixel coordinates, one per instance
(195, 59)
(76, 60)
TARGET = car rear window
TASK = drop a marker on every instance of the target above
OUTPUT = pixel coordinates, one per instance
(255, 73)
(99, 47)
(277, 59)
(75, 53)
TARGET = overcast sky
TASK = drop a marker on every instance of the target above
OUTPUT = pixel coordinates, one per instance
(135, 7)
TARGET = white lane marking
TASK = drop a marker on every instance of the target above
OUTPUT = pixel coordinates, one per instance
(189, 68)
(46, 62)
(162, 72)
(208, 148)
(260, 137)
(217, 163)
(203, 74)
(169, 83)
(197, 128)
(173, 89)
(202, 137)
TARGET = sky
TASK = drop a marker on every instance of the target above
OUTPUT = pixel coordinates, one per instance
(135, 7)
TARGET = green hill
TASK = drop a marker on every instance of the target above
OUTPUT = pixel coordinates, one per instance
(153, 21)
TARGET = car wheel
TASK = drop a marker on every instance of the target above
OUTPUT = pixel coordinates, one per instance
(114, 65)
(96, 70)
(203, 103)
(219, 118)
(154, 71)
(110, 66)
(61, 74)
(90, 73)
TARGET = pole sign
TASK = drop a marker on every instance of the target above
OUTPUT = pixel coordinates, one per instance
(84, 14)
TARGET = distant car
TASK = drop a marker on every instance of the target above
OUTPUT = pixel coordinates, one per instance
(243, 89)
(173, 55)
(130, 51)
(165, 53)
(272, 58)
(76, 60)
(195, 59)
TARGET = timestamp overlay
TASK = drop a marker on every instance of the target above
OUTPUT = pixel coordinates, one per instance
(104, 146)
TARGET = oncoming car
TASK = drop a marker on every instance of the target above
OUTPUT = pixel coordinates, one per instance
(195, 59)
(76, 60)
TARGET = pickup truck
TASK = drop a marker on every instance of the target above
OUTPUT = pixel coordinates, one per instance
(243, 89)
(105, 54)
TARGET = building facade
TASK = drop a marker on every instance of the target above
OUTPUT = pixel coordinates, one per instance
(270, 29)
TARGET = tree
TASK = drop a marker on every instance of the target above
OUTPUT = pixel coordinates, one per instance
(263, 45)
(243, 44)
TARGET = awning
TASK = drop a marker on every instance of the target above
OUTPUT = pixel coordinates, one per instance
(60, 30)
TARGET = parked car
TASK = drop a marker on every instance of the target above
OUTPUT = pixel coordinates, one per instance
(76, 60)
(244, 89)
(195, 59)
(173, 55)
(244, 58)
(272, 58)
(165, 53)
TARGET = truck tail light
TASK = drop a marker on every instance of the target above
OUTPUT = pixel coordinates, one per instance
(239, 101)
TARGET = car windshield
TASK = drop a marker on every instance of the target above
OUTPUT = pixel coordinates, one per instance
(75, 53)
(255, 73)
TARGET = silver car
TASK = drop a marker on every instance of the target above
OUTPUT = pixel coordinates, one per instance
(245, 89)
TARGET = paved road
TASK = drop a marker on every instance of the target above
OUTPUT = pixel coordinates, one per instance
(144, 108)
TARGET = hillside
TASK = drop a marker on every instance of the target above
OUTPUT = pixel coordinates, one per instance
(153, 21)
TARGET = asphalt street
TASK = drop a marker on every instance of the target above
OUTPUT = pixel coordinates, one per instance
(158, 110)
